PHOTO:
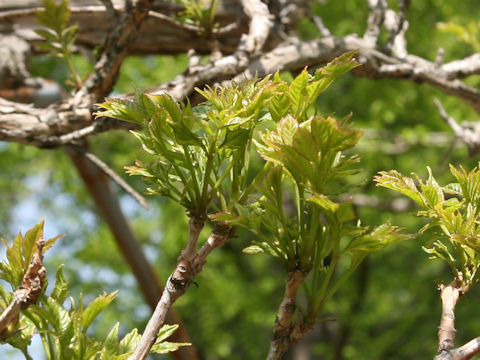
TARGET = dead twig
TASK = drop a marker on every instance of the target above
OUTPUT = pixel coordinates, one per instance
(29, 290)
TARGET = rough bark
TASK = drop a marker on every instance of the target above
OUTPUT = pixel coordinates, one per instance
(282, 330)
(29, 290)
(450, 294)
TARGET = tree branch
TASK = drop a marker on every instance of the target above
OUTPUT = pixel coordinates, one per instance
(450, 295)
(180, 279)
(121, 34)
(283, 328)
(128, 244)
(112, 174)
(446, 331)
(29, 290)
(469, 132)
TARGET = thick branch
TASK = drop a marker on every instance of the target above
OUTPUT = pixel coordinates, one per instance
(160, 33)
(446, 334)
(120, 36)
(260, 24)
(446, 331)
(466, 351)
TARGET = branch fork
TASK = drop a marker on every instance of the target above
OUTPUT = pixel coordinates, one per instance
(450, 294)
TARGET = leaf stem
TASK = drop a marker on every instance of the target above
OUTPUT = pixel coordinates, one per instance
(73, 71)
(208, 169)
(256, 180)
(196, 186)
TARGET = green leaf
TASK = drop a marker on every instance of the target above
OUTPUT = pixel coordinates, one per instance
(162, 347)
(395, 181)
(60, 291)
(236, 138)
(184, 136)
(111, 344)
(345, 212)
(165, 332)
(95, 307)
(304, 144)
(469, 183)
(432, 191)
(121, 109)
(169, 104)
(129, 342)
(55, 315)
(279, 105)
(376, 240)
(47, 34)
(297, 90)
(324, 203)
(29, 244)
(440, 251)
(167, 347)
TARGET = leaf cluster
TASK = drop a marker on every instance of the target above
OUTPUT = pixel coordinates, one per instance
(202, 161)
(201, 153)
(200, 13)
(63, 323)
(453, 210)
(468, 34)
(59, 37)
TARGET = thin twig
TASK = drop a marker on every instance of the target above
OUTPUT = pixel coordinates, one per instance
(112, 174)
(468, 133)
(193, 28)
(321, 26)
(457, 129)
(110, 12)
(119, 38)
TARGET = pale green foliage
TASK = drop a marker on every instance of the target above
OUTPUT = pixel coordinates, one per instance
(202, 161)
(469, 33)
(202, 153)
(61, 324)
(200, 13)
(453, 209)
(59, 37)
(20, 253)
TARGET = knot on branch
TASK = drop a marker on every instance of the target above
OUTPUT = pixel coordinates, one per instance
(32, 284)
(182, 277)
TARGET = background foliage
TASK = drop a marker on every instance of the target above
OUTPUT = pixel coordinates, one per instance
(388, 310)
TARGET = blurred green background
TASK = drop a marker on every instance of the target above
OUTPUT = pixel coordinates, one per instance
(390, 309)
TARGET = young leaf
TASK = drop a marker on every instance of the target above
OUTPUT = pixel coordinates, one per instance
(237, 138)
(111, 344)
(395, 181)
(95, 307)
(60, 291)
(162, 347)
(377, 239)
